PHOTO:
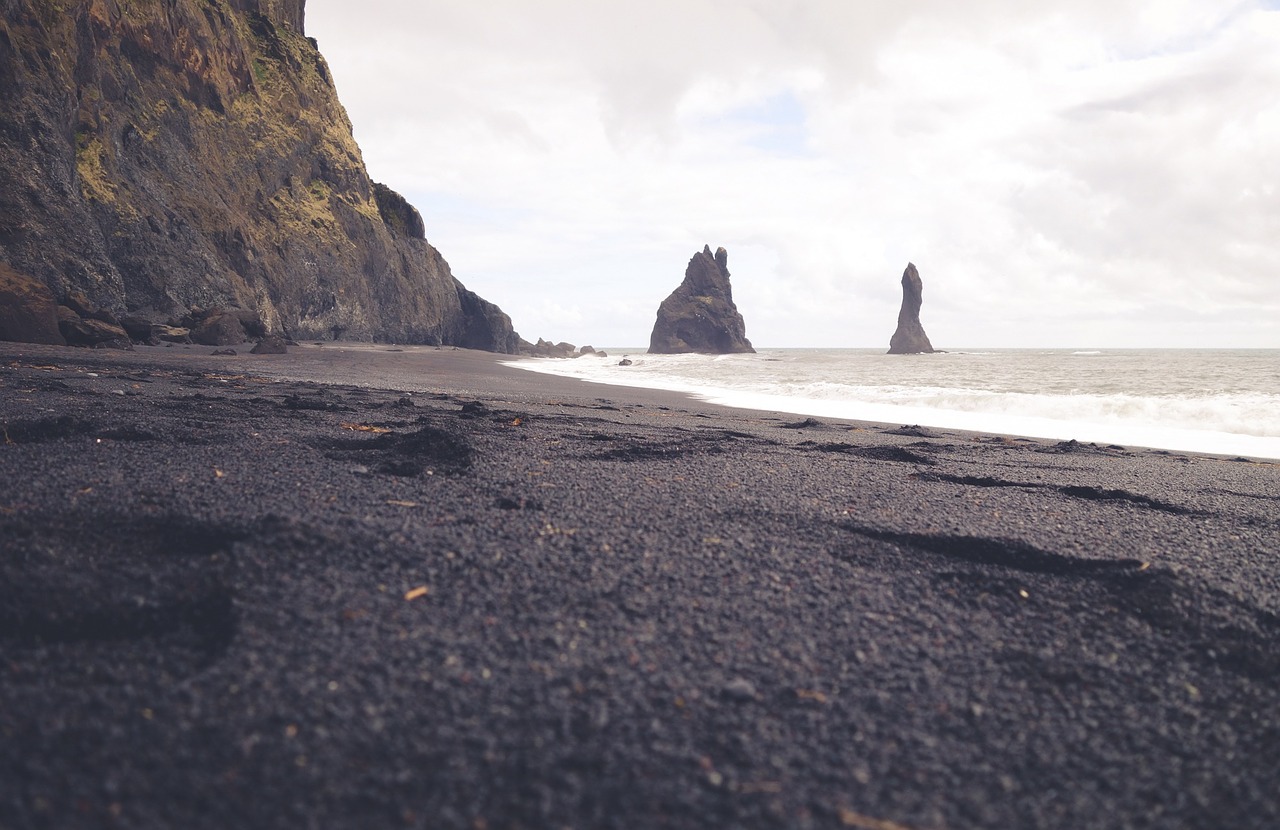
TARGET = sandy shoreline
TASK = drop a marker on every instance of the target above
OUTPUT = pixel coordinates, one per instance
(639, 609)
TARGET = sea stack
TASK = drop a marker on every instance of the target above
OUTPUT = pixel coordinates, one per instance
(700, 316)
(910, 337)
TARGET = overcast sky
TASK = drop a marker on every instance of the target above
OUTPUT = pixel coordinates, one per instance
(1084, 173)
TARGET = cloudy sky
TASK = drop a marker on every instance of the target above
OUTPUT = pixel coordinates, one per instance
(1085, 173)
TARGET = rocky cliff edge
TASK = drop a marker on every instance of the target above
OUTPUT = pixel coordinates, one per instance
(159, 157)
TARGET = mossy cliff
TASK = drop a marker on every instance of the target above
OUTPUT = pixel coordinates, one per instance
(164, 155)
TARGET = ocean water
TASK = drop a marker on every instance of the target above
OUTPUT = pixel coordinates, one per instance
(1209, 401)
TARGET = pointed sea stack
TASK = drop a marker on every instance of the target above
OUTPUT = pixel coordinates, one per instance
(700, 316)
(910, 337)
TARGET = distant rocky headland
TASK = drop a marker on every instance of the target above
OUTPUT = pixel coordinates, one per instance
(700, 316)
(909, 338)
(184, 172)
(190, 159)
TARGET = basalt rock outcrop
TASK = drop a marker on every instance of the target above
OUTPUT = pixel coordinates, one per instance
(28, 313)
(192, 154)
(545, 348)
(91, 332)
(271, 344)
(909, 338)
(700, 316)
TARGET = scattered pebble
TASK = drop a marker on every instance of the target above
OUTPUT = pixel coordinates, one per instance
(740, 689)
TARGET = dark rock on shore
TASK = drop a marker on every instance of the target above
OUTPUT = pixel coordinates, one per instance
(807, 423)
(90, 331)
(271, 344)
(909, 338)
(545, 348)
(139, 328)
(28, 313)
(700, 316)
(219, 328)
(161, 157)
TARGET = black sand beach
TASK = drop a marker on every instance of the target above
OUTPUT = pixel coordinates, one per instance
(359, 587)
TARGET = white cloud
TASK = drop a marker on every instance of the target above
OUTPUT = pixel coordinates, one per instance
(1088, 174)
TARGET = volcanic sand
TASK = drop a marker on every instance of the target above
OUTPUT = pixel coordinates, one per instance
(368, 586)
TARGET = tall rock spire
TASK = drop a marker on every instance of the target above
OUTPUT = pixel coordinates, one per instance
(910, 337)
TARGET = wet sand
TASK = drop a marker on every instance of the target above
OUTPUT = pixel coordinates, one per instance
(361, 587)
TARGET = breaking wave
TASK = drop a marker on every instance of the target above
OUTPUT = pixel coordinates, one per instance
(1211, 401)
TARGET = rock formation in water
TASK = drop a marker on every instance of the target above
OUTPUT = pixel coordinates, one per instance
(910, 337)
(700, 316)
(192, 155)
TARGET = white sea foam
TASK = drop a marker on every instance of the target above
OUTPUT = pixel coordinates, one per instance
(1225, 402)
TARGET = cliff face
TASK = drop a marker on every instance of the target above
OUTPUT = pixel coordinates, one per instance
(700, 316)
(163, 155)
(909, 337)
